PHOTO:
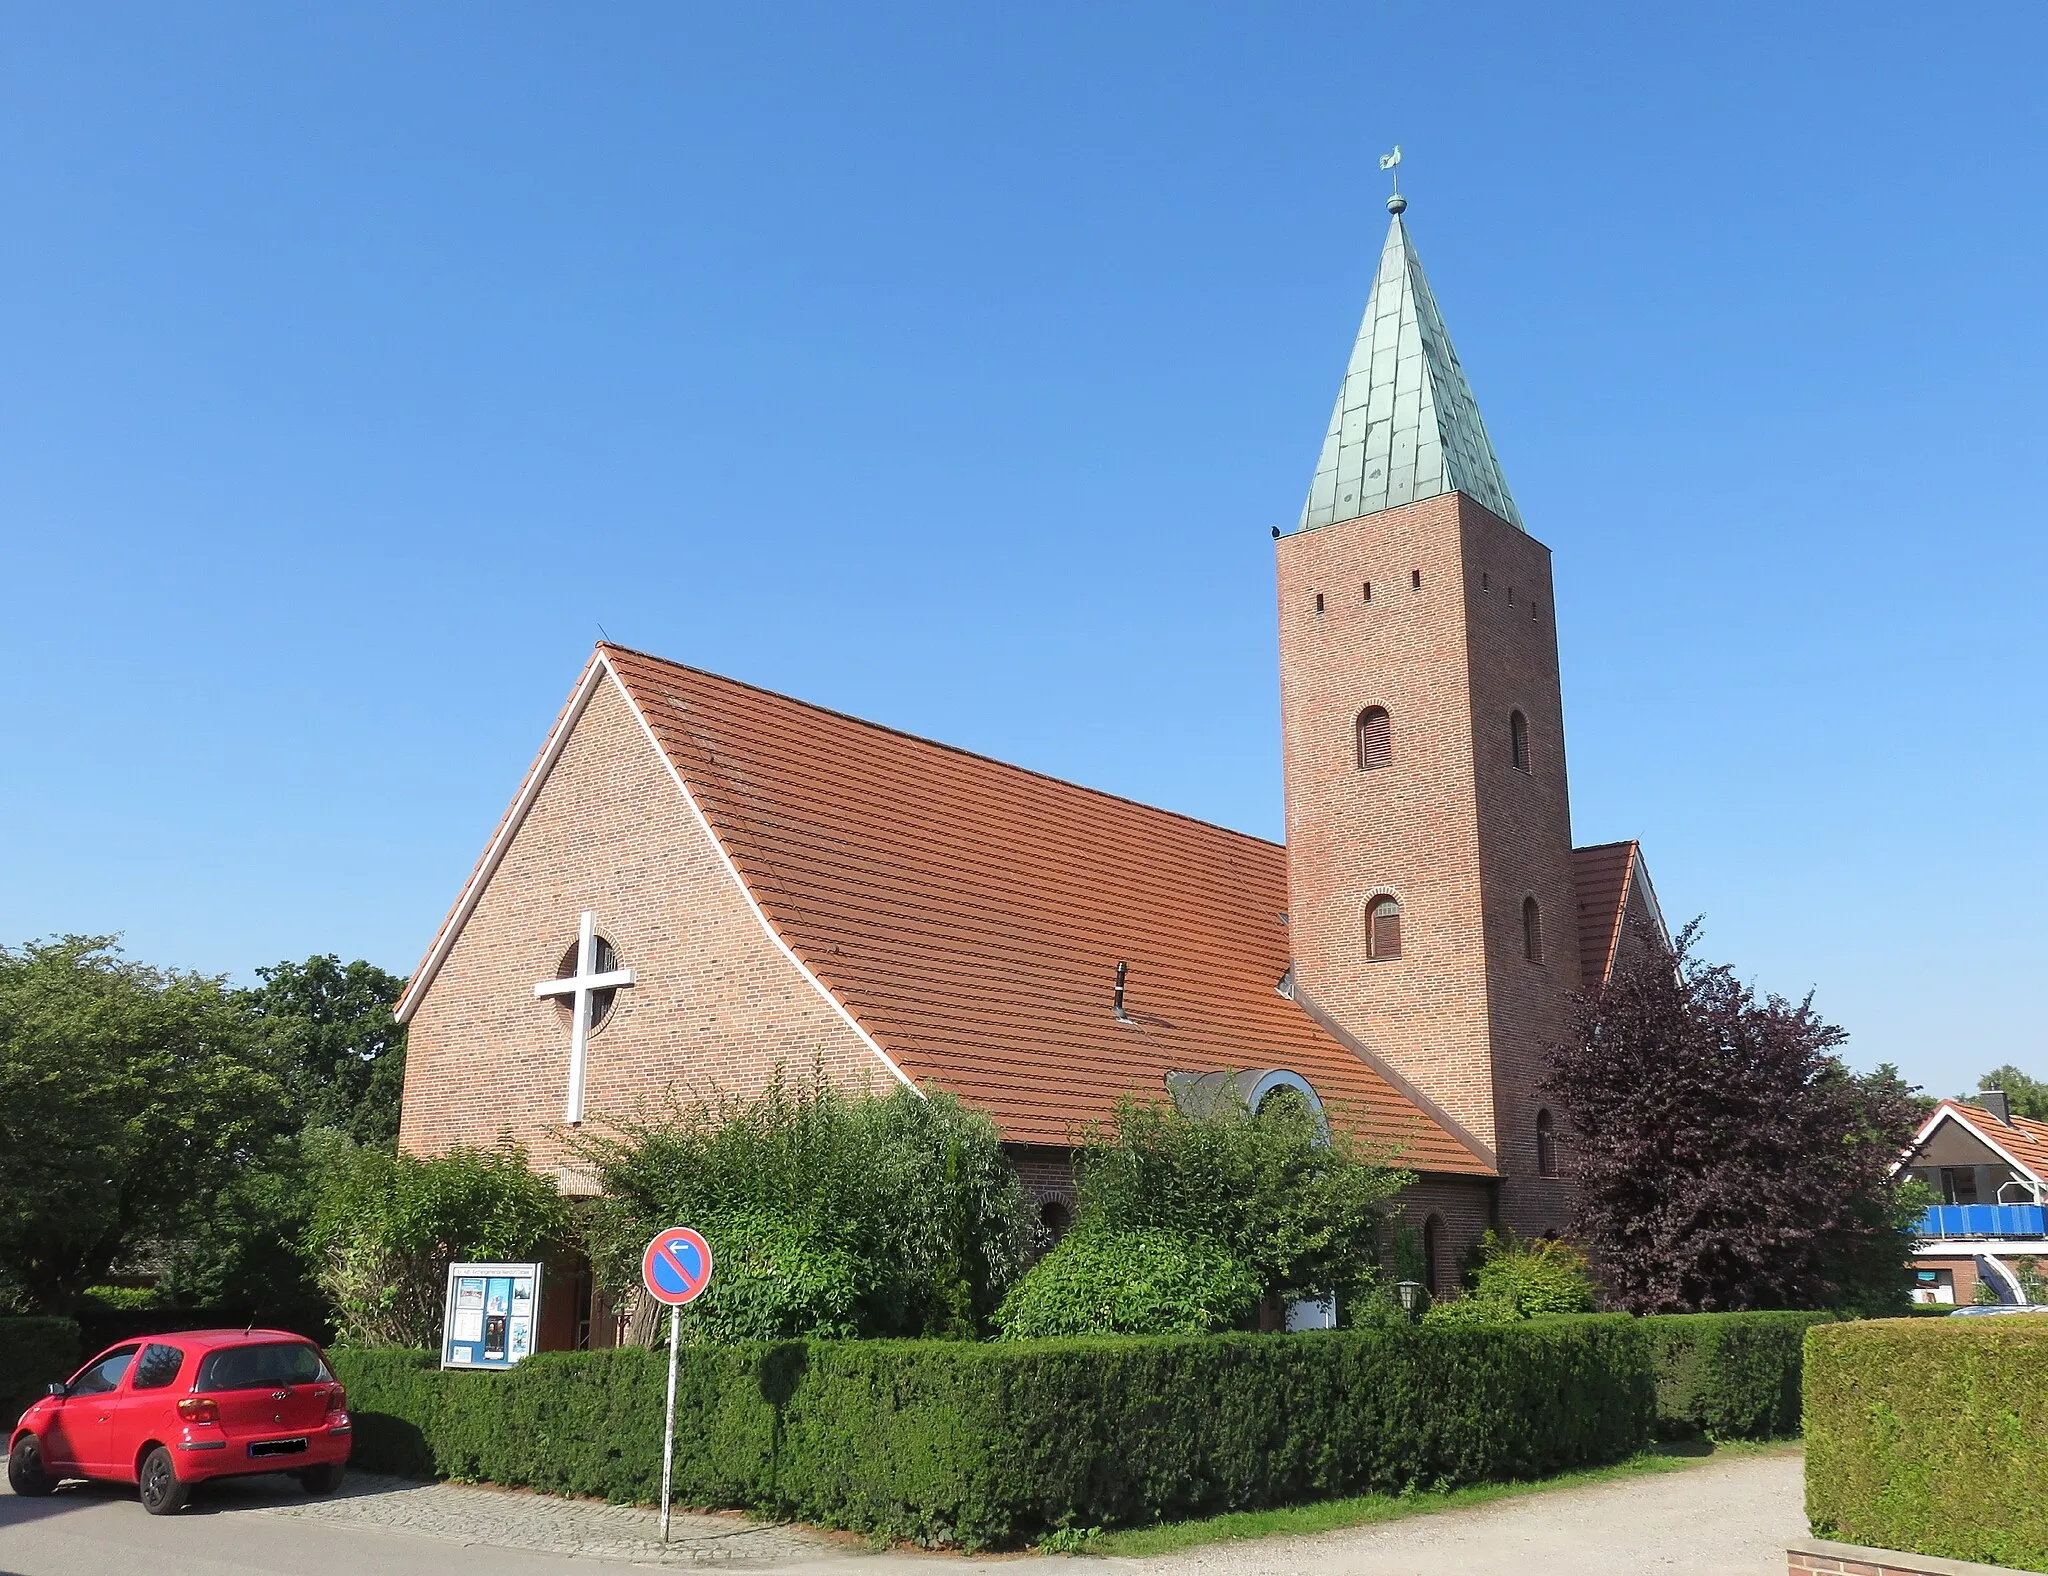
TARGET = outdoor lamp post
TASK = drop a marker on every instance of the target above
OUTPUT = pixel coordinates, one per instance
(1411, 1293)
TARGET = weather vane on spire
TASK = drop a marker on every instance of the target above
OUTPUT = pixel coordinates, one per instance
(1391, 163)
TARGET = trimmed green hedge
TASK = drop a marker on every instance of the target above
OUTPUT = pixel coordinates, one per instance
(1931, 1436)
(991, 1444)
(33, 1351)
(1728, 1375)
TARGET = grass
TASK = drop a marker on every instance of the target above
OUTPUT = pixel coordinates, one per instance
(1330, 1515)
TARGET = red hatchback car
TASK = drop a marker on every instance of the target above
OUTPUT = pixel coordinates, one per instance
(169, 1412)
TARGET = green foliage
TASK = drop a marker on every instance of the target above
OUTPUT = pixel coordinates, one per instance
(1728, 1375)
(386, 1227)
(119, 1299)
(130, 1098)
(332, 1041)
(1532, 1277)
(1473, 1310)
(1106, 1282)
(1931, 1436)
(994, 1444)
(829, 1214)
(33, 1351)
(1300, 1209)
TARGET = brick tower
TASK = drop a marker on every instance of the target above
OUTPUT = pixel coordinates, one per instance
(1430, 900)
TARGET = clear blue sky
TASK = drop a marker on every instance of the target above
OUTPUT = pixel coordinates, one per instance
(949, 364)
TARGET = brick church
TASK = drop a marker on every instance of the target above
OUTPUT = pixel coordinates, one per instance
(700, 882)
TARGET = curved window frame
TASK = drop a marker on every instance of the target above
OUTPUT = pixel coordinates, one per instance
(1432, 1254)
(1383, 947)
(1532, 930)
(1374, 731)
(1546, 1144)
(1518, 741)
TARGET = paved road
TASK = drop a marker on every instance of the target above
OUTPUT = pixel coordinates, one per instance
(1731, 1517)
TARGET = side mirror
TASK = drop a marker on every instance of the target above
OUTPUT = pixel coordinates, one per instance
(59, 1388)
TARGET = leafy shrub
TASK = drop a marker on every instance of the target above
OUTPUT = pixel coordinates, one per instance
(995, 1443)
(387, 1227)
(1129, 1283)
(1728, 1375)
(1298, 1205)
(1472, 1310)
(33, 1351)
(1931, 1436)
(1532, 1277)
(829, 1214)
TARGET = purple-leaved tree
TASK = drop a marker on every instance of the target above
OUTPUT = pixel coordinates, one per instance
(1725, 1157)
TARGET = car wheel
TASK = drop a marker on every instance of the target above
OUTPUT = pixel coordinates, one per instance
(320, 1480)
(25, 1474)
(162, 1493)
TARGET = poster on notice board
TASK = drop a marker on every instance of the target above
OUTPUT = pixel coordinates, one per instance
(489, 1320)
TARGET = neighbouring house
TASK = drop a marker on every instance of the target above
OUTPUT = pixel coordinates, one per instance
(1989, 1227)
(700, 883)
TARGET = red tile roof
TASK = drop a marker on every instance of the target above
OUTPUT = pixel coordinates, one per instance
(971, 915)
(1602, 874)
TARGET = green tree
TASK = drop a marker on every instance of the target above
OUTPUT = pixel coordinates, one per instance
(130, 1098)
(340, 1053)
(828, 1214)
(387, 1226)
(1298, 1204)
(1531, 1277)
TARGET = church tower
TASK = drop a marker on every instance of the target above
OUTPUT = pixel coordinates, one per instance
(1431, 911)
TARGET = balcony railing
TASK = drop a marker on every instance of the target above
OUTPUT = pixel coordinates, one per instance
(1984, 1220)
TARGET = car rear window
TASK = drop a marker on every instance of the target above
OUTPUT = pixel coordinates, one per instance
(262, 1366)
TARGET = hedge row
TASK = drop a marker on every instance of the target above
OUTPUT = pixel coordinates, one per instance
(1728, 1375)
(991, 1444)
(1931, 1437)
(33, 1351)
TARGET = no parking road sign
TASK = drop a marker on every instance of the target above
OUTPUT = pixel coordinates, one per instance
(675, 1269)
(676, 1266)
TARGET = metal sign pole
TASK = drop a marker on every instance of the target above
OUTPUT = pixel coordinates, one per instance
(668, 1428)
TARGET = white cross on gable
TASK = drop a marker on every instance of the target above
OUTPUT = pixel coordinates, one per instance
(582, 986)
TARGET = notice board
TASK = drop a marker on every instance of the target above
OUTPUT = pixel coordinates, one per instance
(491, 1314)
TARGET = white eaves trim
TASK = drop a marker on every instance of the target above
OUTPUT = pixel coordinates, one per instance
(508, 829)
(739, 881)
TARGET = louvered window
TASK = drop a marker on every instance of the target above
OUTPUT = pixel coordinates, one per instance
(1375, 738)
(1518, 739)
(1546, 1145)
(1532, 930)
(1383, 929)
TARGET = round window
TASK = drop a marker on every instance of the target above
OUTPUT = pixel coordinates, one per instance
(602, 961)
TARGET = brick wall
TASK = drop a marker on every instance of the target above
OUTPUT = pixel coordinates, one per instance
(716, 1005)
(1449, 828)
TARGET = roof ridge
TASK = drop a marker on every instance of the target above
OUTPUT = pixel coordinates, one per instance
(941, 744)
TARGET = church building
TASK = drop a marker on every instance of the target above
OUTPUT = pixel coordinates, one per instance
(700, 883)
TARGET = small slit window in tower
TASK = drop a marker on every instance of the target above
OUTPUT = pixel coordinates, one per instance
(1532, 930)
(1518, 739)
(1511, 596)
(1532, 610)
(1546, 1145)
(1485, 581)
(1415, 579)
(1319, 603)
(1375, 739)
(1368, 590)
(1383, 929)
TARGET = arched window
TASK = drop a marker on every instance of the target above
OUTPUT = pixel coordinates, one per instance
(1432, 1252)
(1532, 930)
(1518, 739)
(1056, 1217)
(1375, 738)
(1546, 1145)
(1383, 929)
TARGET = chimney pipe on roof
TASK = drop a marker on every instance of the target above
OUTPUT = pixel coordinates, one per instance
(1117, 1001)
(1994, 1101)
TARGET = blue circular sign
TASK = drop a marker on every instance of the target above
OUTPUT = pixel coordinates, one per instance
(676, 1268)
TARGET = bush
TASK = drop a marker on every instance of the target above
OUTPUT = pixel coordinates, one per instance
(387, 1227)
(1532, 1277)
(33, 1351)
(1130, 1283)
(1931, 1437)
(991, 1444)
(1728, 1375)
(829, 1214)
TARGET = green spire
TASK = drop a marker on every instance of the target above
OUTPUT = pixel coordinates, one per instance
(1405, 426)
